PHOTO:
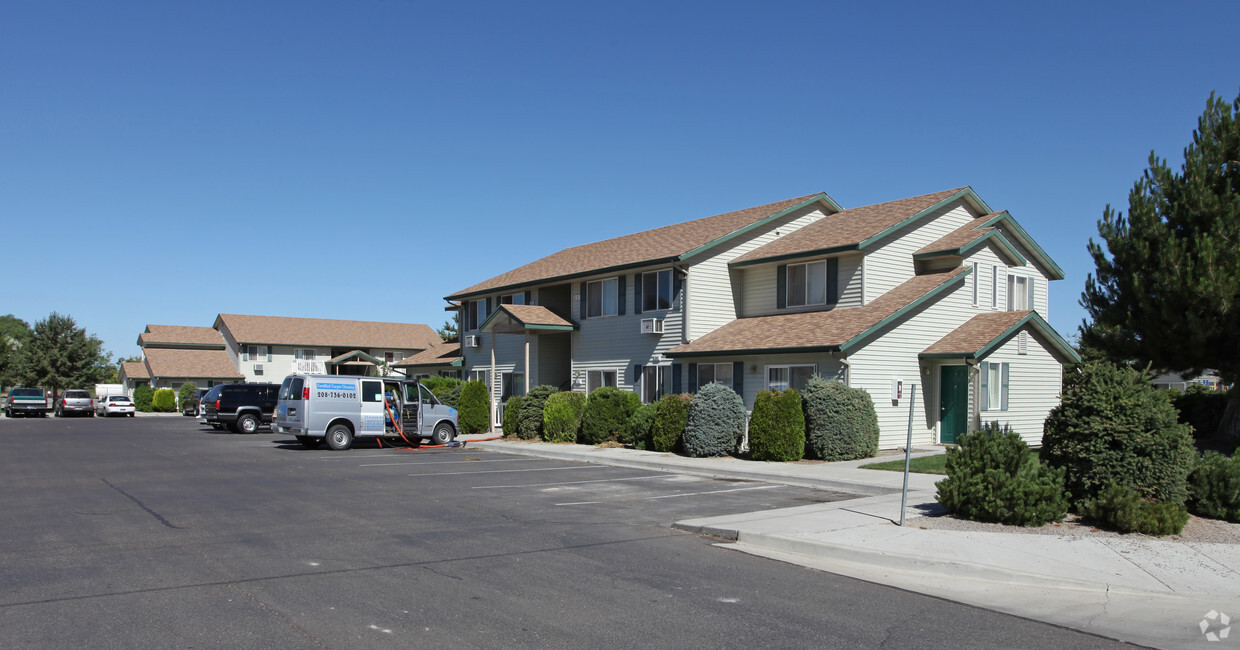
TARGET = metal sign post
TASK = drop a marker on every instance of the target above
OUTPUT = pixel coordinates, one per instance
(908, 450)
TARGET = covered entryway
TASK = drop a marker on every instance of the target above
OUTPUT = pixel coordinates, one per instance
(953, 403)
(552, 362)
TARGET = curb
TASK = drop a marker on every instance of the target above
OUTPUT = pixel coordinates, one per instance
(673, 466)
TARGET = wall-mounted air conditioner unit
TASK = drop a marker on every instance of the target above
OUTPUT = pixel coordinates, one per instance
(652, 326)
(471, 340)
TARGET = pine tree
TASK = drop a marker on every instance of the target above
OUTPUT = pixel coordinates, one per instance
(59, 355)
(1167, 286)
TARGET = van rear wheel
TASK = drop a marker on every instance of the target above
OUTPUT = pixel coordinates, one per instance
(339, 437)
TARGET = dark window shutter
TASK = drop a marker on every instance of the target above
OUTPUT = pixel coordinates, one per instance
(620, 294)
(781, 286)
(985, 368)
(637, 374)
(528, 297)
(693, 387)
(1003, 406)
(676, 378)
(488, 309)
(677, 299)
(738, 378)
(581, 302)
(637, 293)
(833, 280)
(471, 314)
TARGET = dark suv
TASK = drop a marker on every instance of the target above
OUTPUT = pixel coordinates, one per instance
(190, 407)
(243, 408)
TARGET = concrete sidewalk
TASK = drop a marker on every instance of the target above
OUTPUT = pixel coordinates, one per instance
(1132, 588)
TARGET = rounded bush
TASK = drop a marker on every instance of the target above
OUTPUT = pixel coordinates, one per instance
(143, 395)
(671, 414)
(186, 394)
(530, 418)
(1112, 426)
(474, 408)
(1214, 487)
(777, 428)
(991, 476)
(606, 418)
(716, 422)
(840, 422)
(1119, 507)
(640, 424)
(442, 387)
(562, 416)
(512, 413)
(164, 401)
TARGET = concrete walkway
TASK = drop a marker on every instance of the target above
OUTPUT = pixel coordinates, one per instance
(1133, 588)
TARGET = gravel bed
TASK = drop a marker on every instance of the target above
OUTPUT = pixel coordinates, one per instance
(1198, 530)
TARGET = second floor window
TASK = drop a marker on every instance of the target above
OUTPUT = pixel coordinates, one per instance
(512, 299)
(1019, 294)
(657, 290)
(602, 298)
(812, 283)
(477, 313)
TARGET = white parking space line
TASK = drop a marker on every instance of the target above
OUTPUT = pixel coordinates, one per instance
(450, 462)
(694, 494)
(601, 480)
(505, 471)
(579, 503)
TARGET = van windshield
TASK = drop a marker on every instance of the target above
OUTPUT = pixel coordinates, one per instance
(291, 388)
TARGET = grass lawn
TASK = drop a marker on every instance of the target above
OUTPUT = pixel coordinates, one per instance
(927, 465)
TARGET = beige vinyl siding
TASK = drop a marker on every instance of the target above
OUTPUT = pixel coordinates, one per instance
(713, 303)
(1034, 387)
(890, 261)
(894, 355)
(760, 286)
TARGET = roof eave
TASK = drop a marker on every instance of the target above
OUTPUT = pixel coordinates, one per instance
(791, 256)
(733, 353)
(1039, 323)
(817, 198)
(900, 313)
(561, 278)
(966, 193)
(1056, 273)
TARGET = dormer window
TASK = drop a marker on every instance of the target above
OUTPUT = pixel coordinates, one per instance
(808, 284)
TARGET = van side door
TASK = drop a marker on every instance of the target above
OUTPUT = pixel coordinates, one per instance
(426, 403)
(371, 415)
(409, 418)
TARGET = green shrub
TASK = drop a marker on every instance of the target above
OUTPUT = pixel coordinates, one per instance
(451, 396)
(530, 418)
(671, 414)
(991, 476)
(1201, 408)
(640, 424)
(164, 401)
(186, 394)
(606, 418)
(840, 422)
(1214, 487)
(716, 422)
(440, 384)
(143, 394)
(1119, 507)
(777, 428)
(562, 416)
(512, 413)
(1112, 426)
(474, 408)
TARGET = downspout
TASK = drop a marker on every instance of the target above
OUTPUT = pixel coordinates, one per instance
(684, 304)
(975, 387)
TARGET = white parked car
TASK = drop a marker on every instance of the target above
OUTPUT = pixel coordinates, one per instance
(115, 405)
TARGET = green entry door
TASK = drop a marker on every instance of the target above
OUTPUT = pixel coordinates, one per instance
(953, 402)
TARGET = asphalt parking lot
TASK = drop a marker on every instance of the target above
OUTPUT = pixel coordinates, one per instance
(157, 532)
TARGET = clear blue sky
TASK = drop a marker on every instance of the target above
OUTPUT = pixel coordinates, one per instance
(162, 162)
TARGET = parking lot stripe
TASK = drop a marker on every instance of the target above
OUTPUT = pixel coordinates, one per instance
(448, 462)
(694, 494)
(579, 503)
(505, 471)
(601, 480)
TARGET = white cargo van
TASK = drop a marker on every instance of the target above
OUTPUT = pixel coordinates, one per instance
(339, 408)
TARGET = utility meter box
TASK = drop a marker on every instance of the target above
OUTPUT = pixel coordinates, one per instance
(897, 389)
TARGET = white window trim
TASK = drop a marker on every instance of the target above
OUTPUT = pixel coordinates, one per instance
(602, 373)
(788, 284)
(977, 280)
(1012, 281)
(994, 287)
(766, 372)
(662, 377)
(671, 290)
(603, 298)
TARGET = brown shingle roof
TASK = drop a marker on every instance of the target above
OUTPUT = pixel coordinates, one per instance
(960, 237)
(284, 330)
(815, 329)
(847, 228)
(180, 335)
(535, 316)
(440, 355)
(976, 333)
(212, 364)
(135, 370)
(631, 250)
